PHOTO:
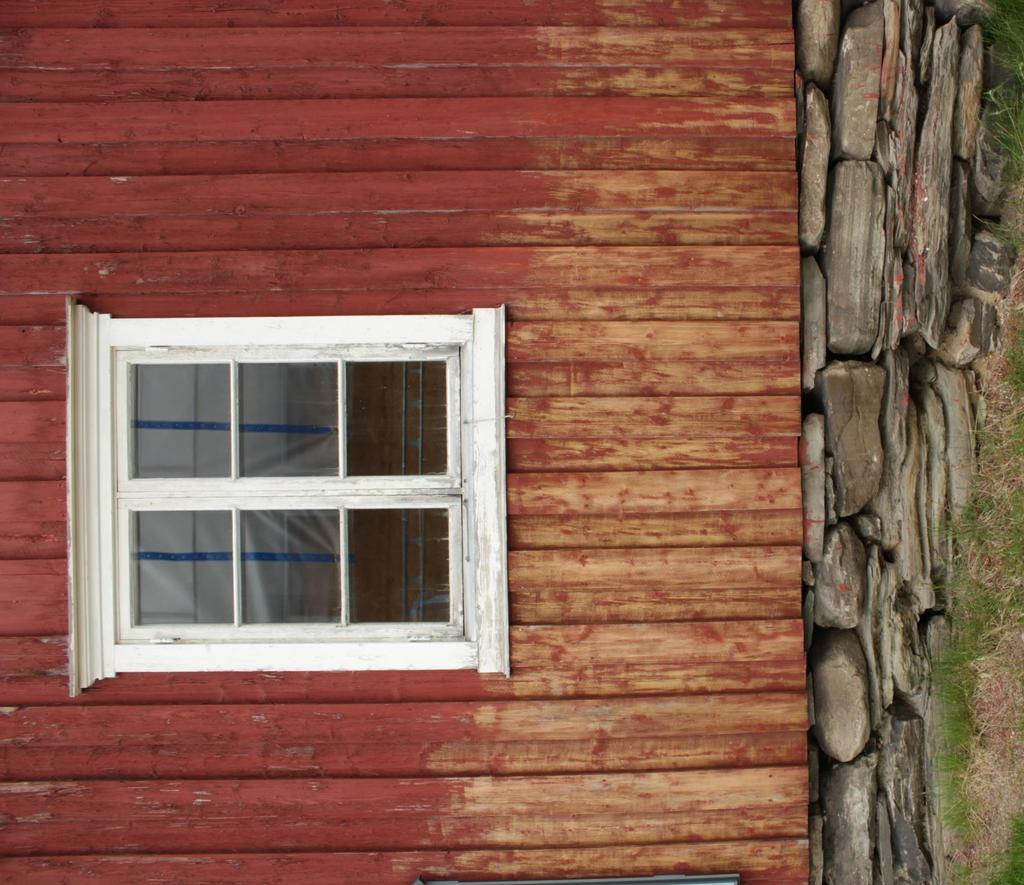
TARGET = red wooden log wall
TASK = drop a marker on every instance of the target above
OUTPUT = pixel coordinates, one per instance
(620, 173)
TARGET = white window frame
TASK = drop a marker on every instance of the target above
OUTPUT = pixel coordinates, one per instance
(104, 641)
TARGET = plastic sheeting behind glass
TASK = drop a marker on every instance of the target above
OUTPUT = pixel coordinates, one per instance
(183, 567)
(288, 414)
(398, 563)
(290, 566)
(181, 421)
(397, 418)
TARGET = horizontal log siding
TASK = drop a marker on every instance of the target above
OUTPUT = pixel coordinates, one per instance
(762, 862)
(620, 175)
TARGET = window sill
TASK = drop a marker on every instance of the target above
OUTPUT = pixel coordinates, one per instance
(292, 657)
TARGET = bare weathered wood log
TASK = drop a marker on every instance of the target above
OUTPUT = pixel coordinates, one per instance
(929, 247)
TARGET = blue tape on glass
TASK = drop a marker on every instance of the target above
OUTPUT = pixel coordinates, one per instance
(224, 425)
(291, 557)
(222, 556)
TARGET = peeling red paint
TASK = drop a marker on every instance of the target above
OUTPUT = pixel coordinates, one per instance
(588, 180)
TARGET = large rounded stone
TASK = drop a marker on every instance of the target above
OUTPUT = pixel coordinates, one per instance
(840, 579)
(814, 169)
(988, 182)
(970, 332)
(817, 39)
(989, 266)
(854, 256)
(851, 395)
(857, 83)
(966, 12)
(842, 715)
(910, 666)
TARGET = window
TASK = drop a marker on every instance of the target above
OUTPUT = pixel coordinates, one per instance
(302, 493)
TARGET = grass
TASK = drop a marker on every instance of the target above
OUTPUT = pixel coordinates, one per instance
(1004, 119)
(1004, 28)
(1012, 872)
(981, 677)
(1015, 367)
(956, 684)
(1005, 104)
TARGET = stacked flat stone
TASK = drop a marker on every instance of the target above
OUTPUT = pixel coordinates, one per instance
(903, 279)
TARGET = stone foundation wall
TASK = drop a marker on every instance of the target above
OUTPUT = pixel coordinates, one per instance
(902, 280)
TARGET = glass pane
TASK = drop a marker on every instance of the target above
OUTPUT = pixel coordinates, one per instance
(289, 419)
(183, 567)
(291, 566)
(398, 565)
(397, 420)
(181, 421)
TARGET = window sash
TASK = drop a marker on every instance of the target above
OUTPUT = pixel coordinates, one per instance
(236, 492)
(128, 631)
(123, 399)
